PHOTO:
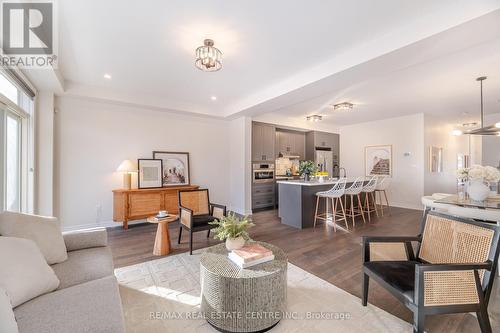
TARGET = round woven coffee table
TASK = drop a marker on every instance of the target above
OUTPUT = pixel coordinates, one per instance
(242, 300)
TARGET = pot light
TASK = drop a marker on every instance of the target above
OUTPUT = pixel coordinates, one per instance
(456, 132)
(314, 118)
(208, 57)
(497, 125)
(107, 76)
(213, 98)
(343, 106)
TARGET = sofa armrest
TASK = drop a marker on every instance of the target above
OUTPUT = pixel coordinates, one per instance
(84, 239)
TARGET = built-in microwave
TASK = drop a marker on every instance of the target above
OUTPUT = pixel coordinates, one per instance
(263, 173)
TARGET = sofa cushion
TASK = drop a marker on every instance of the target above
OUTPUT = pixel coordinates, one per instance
(44, 231)
(85, 239)
(7, 320)
(24, 273)
(94, 306)
(83, 266)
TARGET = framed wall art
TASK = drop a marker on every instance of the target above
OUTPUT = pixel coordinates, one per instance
(150, 173)
(175, 167)
(378, 160)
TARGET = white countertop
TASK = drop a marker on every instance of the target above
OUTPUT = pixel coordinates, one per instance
(315, 182)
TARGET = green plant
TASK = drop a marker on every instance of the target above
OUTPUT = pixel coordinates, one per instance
(231, 226)
(307, 167)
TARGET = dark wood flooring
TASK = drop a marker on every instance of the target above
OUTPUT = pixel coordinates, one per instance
(332, 256)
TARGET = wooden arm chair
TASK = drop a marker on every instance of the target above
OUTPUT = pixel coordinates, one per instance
(452, 272)
(196, 212)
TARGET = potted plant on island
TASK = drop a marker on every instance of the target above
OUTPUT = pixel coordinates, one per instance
(307, 168)
(233, 230)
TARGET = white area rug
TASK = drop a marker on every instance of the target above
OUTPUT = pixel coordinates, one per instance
(164, 296)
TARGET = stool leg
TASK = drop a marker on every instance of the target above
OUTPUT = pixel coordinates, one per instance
(343, 214)
(352, 210)
(374, 204)
(367, 207)
(361, 208)
(316, 213)
(387, 201)
(334, 212)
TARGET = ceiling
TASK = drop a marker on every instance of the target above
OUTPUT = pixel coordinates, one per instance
(291, 57)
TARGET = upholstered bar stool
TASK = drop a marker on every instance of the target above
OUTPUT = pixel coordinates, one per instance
(354, 191)
(369, 190)
(381, 187)
(335, 195)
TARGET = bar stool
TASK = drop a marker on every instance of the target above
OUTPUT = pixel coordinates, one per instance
(382, 185)
(355, 190)
(368, 190)
(335, 193)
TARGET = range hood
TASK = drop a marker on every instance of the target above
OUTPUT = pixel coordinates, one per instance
(484, 130)
(289, 156)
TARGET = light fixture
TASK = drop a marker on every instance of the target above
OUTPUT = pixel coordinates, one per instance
(484, 130)
(208, 57)
(472, 124)
(343, 106)
(213, 98)
(127, 166)
(314, 118)
(497, 125)
(107, 76)
(456, 132)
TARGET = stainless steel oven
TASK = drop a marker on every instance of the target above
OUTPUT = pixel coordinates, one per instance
(263, 173)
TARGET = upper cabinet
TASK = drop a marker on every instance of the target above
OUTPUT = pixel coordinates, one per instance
(291, 143)
(321, 140)
(263, 141)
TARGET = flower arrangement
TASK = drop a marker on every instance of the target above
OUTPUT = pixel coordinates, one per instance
(231, 227)
(479, 172)
(307, 168)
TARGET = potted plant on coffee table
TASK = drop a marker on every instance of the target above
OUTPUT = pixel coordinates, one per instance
(233, 230)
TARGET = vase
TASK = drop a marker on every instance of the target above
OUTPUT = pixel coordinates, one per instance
(478, 190)
(307, 177)
(235, 243)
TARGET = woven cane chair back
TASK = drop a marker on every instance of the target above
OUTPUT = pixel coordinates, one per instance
(356, 187)
(336, 191)
(196, 200)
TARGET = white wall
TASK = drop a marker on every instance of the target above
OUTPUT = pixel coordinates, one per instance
(405, 134)
(92, 138)
(491, 144)
(240, 165)
(44, 154)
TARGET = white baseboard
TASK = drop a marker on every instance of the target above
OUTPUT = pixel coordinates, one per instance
(406, 205)
(103, 224)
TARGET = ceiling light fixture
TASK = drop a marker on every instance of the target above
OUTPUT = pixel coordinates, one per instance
(473, 124)
(208, 57)
(314, 118)
(343, 106)
(497, 125)
(107, 76)
(213, 98)
(483, 130)
(456, 132)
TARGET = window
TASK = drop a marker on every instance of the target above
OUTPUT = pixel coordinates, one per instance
(16, 147)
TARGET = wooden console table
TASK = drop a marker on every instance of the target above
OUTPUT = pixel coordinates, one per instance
(136, 204)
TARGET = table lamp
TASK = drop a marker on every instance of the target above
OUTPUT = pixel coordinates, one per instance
(127, 167)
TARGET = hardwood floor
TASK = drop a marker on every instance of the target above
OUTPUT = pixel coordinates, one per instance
(332, 256)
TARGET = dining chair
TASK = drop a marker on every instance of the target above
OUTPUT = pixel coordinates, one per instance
(452, 271)
(196, 212)
(335, 195)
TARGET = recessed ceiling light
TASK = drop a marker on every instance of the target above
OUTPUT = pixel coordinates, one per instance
(314, 118)
(456, 132)
(497, 125)
(343, 106)
(213, 98)
(107, 76)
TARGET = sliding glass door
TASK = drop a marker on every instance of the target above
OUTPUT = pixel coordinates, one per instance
(13, 127)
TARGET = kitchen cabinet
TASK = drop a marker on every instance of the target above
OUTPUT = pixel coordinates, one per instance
(323, 140)
(263, 142)
(290, 143)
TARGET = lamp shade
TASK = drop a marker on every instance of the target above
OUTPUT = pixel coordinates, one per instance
(127, 166)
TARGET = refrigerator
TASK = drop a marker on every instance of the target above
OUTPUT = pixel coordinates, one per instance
(324, 161)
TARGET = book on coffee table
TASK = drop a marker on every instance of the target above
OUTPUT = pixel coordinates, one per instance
(251, 255)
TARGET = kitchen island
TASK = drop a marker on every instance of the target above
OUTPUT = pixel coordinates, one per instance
(297, 200)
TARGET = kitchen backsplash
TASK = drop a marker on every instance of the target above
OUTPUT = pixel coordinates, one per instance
(284, 163)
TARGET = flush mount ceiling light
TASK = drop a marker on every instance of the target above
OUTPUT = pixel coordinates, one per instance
(213, 98)
(314, 118)
(107, 76)
(456, 132)
(343, 106)
(208, 57)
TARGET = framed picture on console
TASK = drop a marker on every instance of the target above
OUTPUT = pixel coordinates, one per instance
(175, 167)
(150, 173)
(378, 160)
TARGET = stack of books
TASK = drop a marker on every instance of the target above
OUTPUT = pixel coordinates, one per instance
(251, 255)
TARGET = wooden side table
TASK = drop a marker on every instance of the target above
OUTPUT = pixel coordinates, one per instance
(162, 241)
